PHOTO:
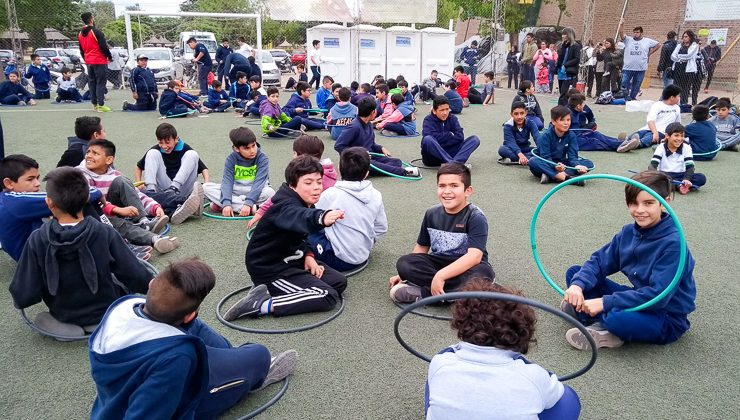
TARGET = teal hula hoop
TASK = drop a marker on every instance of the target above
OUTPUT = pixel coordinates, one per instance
(555, 164)
(676, 222)
(317, 110)
(220, 217)
(405, 165)
(717, 150)
(250, 232)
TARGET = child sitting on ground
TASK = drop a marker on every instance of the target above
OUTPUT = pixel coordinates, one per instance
(347, 243)
(304, 145)
(516, 148)
(274, 121)
(342, 114)
(392, 86)
(288, 280)
(583, 124)
(300, 70)
(727, 124)
(218, 99)
(324, 92)
(451, 247)
(239, 91)
(69, 262)
(41, 77)
(169, 104)
(86, 129)
(362, 92)
(246, 180)
(143, 86)
(408, 97)
(647, 253)
(474, 378)
(661, 114)
(67, 87)
(453, 98)
(559, 145)
(402, 121)
(543, 80)
(442, 138)
(170, 174)
(675, 158)
(383, 104)
(463, 87)
(145, 342)
(13, 93)
(191, 101)
(427, 90)
(334, 98)
(360, 133)
(702, 134)
(526, 95)
(488, 93)
(257, 95)
(125, 201)
(297, 105)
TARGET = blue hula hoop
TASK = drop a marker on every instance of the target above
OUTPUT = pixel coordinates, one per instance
(682, 238)
(166, 230)
(316, 110)
(535, 155)
(405, 165)
(184, 114)
(220, 217)
(717, 150)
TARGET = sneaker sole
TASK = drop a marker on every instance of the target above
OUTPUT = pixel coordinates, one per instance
(631, 144)
(187, 209)
(603, 339)
(283, 366)
(166, 244)
(200, 193)
(403, 296)
(160, 225)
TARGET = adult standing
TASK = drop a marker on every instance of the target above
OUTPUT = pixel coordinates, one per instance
(114, 67)
(528, 50)
(314, 62)
(469, 56)
(202, 59)
(512, 66)
(590, 65)
(714, 54)
(637, 50)
(569, 58)
(236, 62)
(599, 68)
(222, 52)
(665, 63)
(542, 57)
(684, 67)
(607, 54)
(94, 51)
(244, 49)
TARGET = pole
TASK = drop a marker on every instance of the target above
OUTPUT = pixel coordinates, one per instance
(258, 26)
(129, 35)
(624, 10)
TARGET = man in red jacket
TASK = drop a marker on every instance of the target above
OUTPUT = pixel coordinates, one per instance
(94, 50)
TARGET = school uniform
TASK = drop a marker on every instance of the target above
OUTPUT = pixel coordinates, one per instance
(239, 94)
(661, 114)
(67, 90)
(456, 101)
(12, 93)
(171, 106)
(296, 101)
(679, 165)
(321, 96)
(559, 150)
(583, 124)
(340, 115)
(143, 83)
(41, 77)
(516, 139)
(534, 112)
(215, 98)
(401, 121)
(445, 141)
(359, 134)
(702, 136)
(273, 116)
(205, 65)
(221, 53)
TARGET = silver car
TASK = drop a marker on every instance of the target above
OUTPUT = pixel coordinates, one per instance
(54, 58)
(162, 63)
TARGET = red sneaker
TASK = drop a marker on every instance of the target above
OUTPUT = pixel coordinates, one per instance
(215, 208)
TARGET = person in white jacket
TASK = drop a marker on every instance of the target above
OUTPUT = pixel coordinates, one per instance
(685, 73)
(67, 90)
(347, 243)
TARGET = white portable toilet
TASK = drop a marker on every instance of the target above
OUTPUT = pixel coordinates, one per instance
(368, 42)
(404, 53)
(336, 51)
(437, 52)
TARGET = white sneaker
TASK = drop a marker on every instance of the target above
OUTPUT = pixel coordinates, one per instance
(165, 244)
(404, 292)
(630, 144)
(411, 171)
(603, 338)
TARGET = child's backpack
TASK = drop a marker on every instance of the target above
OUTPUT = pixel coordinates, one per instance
(710, 102)
(605, 98)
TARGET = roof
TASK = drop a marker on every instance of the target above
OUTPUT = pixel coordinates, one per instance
(18, 34)
(54, 35)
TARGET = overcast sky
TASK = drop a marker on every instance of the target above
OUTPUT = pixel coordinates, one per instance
(160, 6)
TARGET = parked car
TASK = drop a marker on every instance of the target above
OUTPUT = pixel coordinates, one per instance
(5, 55)
(270, 71)
(75, 58)
(298, 57)
(54, 58)
(283, 60)
(162, 63)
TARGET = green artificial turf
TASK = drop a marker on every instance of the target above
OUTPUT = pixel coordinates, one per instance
(353, 367)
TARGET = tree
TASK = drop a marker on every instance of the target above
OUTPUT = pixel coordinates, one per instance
(104, 11)
(116, 31)
(562, 7)
(34, 16)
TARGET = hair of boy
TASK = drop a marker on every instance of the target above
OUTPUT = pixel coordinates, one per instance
(191, 39)
(531, 35)
(366, 87)
(308, 145)
(335, 86)
(399, 78)
(524, 85)
(14, 166)
(518, 105)
(655, 180)
(165, 131)
(301, 87)
(108, 147)
(327, 79)
(241, 39)
(559, 112)
(16, 73)
(379, 82)
(456, 168)
(215, 84)
(254, 94)
(700, 113)
(459, 69)
(344, 94)
(301, 66)
(403, 83)
(392, 84)
(451, 84)
(438, 101)
(494, 322)
(315, 42)
(354, 85)
(65, 70)
(571, 91)
(86, 17)
(674, 127)
(242, 137)
(34, 56)
(365, 107)
(354, 164)
(301, 166)
(188, 282)
(489, 74)
(68, 189)
(723, 103)
(382, 88)
(397, 99)
(85, 127)
(272, 91)
(576, 99)
(240, 74)
(670, 91)
(256, 78)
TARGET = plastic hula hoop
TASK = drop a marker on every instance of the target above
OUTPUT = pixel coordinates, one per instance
(408, 136)
(498, 296)
(676, 222)
(42, 331)
(291, 134)
(673, 181)
(253, 121)
(535, 155)
(424, 314)
(717, 150)
(419, 163)
(259, 410)
(184, 114)
(250, 232)
(271, 331)
(405, 165)
(356, 270)
(165, 231)
(219, 217)
(138, 183)
(316, 110)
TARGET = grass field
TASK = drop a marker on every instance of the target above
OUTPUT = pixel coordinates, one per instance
(353, 367)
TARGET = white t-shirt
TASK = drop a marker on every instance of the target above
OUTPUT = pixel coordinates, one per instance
(673, 162)
(314, 58)
(636, 53)
(245, 50)
(663, 115)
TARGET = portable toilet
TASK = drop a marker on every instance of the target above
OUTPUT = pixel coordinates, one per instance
(336, 51)
(404, 53)
(437, 52)
(369, 43)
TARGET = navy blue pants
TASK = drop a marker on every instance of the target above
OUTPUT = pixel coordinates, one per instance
(539, 167)
(647, 326)
(397, 128)
(312, 124)
(540, 124)
(315, 76)
(42, 92)
(697, 179)
(145, 102)
(324, 252)
(246, 366)
(69, 95)
(646, 137)
(203, 71)
(294, 124)
(433, 154)
(218, 107)
(388, 164)
(178, 110)
(506, 152)
(11, 100)
(593, 141)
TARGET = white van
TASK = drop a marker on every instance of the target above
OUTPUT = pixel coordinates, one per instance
(206, 38)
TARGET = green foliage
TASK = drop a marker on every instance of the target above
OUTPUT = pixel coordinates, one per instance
(34, 16)
(116, 31)
(104, 11)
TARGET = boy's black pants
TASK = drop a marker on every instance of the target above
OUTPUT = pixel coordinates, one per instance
(420, 269)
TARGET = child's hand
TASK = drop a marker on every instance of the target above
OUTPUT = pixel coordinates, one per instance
(129, 211)
(574, 296)
(313, 267)
(245, 211)
(687, 183)
(299, 110)
(438, 286)
(332, 216)
(254, 221)
(270, 128)
(394, 280)
(581, 169)
(227, 211)
(523, 160)
(159, 212)
(136, 95)
(32, 102)
(656, 138)
(593, 307)
(385, 152)
(560, 167)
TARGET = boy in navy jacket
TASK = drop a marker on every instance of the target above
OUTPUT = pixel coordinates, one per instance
(170, 104)
(239, 91)
(516, 148)
(13, 93)
(297, 105)
(454, 98)
(443, 139)
(647, 253)
(153, 357)
(41, 77)
(143, 86)
(218, 99)
(583, 124)
(702, 134)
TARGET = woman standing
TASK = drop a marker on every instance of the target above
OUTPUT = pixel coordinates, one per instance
(512, 66)
(569, 57)
(542, 57)
(684, 67)
(599, 68)
(610, 80)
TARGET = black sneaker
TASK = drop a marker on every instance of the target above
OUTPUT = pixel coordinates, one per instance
(568, 309)
(249, 305)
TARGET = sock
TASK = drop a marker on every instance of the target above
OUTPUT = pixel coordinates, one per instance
(266, 306)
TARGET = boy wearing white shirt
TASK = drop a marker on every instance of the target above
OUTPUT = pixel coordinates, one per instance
(661, 114)
(675, 159)
(67, 90)
(314, 61)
